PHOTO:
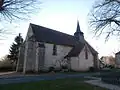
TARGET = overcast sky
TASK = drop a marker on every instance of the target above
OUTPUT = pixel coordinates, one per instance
(62, 15)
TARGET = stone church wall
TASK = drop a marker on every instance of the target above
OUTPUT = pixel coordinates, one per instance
(31, 56)
(85, 64)
(30, 52)
(20, 62)
(53, 60)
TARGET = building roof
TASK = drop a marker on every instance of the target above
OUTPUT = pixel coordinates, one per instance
(75, 51)
(118, 52)
(43, 34)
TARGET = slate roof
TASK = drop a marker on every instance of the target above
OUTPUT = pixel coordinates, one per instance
(43, 34)
(75, 51)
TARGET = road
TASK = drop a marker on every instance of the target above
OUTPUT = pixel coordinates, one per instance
(31, 78)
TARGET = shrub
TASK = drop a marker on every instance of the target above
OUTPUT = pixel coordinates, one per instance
(64, 67)
(91, 69)
(5, 69)
(51, 69)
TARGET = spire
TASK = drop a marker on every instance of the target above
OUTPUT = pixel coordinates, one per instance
(79, 34)
(78, 28)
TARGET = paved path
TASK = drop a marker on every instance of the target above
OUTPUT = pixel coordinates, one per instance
(31, 78)
(102, 84)
(6, 73)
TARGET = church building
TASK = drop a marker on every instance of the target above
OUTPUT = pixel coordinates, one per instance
(45, 48)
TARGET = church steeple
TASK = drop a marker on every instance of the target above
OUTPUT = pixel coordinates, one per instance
(79, 34)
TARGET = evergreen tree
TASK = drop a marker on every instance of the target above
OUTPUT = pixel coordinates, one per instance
(14, 49)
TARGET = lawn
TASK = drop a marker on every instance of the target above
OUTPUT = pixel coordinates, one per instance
(60, 84)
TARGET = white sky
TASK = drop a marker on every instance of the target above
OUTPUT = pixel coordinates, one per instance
(62, 15)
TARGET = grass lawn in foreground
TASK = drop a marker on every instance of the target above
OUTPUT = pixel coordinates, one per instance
(59, 84)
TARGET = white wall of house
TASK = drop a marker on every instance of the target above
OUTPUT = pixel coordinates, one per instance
(117, 60)
(80, 63)
(75, 63)
(84, 63)
(50, 59)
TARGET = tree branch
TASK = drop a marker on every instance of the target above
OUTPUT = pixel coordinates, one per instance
(105, 16)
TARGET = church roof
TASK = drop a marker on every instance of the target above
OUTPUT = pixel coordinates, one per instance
(43, 34)
(75, 51)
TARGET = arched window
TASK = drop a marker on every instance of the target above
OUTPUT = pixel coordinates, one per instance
(54, 49)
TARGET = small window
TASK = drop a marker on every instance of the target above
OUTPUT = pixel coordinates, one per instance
(54, 49)
(86, 53)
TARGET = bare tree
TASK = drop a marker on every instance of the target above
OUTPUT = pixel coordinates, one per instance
(17, 9)
(14, 10)
(105, 18)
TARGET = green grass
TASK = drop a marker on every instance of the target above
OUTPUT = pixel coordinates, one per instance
(60, 84)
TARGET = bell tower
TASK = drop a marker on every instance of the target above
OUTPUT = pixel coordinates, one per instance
(79, 35)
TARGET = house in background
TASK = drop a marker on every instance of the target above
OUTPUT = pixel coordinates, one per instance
(44, 48)
(117, 59)
(108, 60)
